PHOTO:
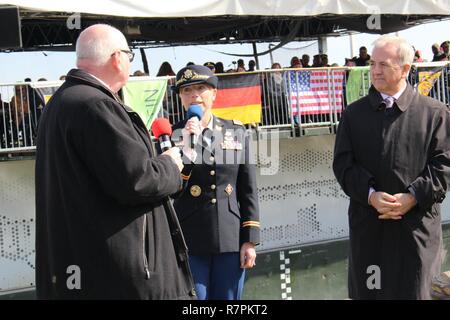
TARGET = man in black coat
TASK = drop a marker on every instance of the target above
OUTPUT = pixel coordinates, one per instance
(218, 207)
(392, 158)
(104, 226)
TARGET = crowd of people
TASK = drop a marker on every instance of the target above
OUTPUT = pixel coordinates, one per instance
(440, 53)
(20, 115)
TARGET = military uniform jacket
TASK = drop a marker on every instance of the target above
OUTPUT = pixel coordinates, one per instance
(407, 146)
(218, 207)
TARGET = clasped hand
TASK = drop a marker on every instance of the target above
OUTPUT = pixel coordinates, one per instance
(392, 206)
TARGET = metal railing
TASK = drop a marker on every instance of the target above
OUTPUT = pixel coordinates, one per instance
(278, 100)
(21, 106)
(286, 101)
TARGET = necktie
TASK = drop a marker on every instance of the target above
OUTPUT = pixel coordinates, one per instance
(389, 101)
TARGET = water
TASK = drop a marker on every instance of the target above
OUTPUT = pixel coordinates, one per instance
(317, 272)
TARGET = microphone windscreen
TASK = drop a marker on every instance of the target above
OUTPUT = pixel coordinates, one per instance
(195, 111)
(160, 127)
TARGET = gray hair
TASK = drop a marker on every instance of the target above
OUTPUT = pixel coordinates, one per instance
(96, 48)
(404, 50)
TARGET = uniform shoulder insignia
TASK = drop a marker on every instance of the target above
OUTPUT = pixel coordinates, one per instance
(238, 122)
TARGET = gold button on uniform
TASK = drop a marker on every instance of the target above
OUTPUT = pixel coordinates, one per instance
(212, 172)
(213, 200)
(213, 187)
(196, 191)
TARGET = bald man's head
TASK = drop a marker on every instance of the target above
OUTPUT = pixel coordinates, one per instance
(103, 52)
(97, 42)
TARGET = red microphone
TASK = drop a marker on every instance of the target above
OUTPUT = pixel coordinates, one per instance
(162, 130)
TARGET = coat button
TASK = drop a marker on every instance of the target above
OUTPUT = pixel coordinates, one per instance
(212, 172)
(211, 159)
(214, 200)
(213, 187)
(192, 293)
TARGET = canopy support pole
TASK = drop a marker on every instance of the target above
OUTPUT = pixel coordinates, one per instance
(322, 45)
(144, 61)
(255, 54)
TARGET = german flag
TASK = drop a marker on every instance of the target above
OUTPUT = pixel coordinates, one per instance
(238, 98)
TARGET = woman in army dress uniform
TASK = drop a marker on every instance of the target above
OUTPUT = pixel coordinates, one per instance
(218, 207)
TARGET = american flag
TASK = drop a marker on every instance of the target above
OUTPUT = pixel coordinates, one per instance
(315, 91)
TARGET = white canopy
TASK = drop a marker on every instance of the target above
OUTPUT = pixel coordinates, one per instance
(46, 23)
(199, 8)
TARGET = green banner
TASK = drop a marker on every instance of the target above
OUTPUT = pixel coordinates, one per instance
(358, 84)
(145, 97)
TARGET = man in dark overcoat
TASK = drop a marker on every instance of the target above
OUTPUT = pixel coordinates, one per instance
(105, 228)
(392, 158)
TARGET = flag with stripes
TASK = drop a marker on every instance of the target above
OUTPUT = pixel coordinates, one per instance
(315, 91)
(238, 98)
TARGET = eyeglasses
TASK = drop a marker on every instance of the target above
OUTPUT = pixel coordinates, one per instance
(129, 53)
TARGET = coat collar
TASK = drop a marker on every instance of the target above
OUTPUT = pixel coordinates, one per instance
(82, 76)
(217, 123)
(403, 102)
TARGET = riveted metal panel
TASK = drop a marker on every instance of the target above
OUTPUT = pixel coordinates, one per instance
(303, 203)
(17, 225)
(300, 201)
